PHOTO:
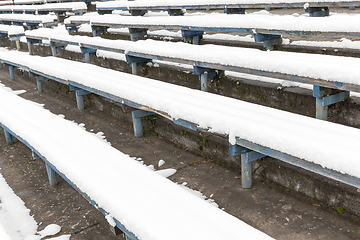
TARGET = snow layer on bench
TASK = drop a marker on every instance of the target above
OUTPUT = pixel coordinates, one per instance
(28, 17)
(10, 29)
(147, 3)
(316, 66)
(303, 137)
(149, 205)
(48, 6)
(259, 20)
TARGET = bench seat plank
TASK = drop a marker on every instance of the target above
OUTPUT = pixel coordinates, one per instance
(221, 4)
(149, 205)
(293, 134)
(261, 22)
(66, 7)
(323, 70)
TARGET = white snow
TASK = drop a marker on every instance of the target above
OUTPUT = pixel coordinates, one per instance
(50, 134)
(70, 6)
(28, 17)
(166, 172)
(11, 29)
(150, 3)
(336, 22)
(161, 162)
(265, 126)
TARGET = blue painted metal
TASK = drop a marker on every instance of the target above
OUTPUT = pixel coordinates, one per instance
(269, 40)
(192, 36)
(186, 124)
(175, 12)
(11, 71)
(137, 33)
(135, 12)
(39, 80)
(137, 124)
(97, 30)
(87, 53)
(318, 11)
(8, 136)
(325, 97)
(136, 62)
(80, 98)
(55, 46)
(30, 43)
(234, 10)
(246, 169)
(51, 175)
(205, 74)
(351, 7)
(315, 168)
(236, 150)
(34, 155)
(92, 202)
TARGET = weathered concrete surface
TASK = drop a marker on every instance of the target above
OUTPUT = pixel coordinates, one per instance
(278, 211)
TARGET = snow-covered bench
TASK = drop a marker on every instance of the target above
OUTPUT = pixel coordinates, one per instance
(12, 32)
(31, 21)
(58, 8)
(253, 131)
(315, 8)
(328, 74)
(267, 28)
(146, 205)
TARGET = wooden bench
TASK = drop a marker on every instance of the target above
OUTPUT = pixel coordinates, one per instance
(31, 21)
(145, 205)
(332, 81)
(57, 8)
(14, 33)
(253, 131)
(266, 28)
(314, 7)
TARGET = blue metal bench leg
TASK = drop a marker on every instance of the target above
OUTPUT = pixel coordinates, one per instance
(136, 62)
(18, 46)
(325, 97)
(80, 98)
(134, 68)
(205, 74)
(11, 71)
(8, 137)
(136, 116)
(87, 52)
(39, 80)
(204, 81)
(246, 169)
(51, 174)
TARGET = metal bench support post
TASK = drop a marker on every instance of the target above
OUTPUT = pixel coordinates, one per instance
(80, 98)
(51, 175)
(234, 10)
(175, 12)
(137, 33)
(8, 137)
(325, 97)
(317, 11)
(96, 30)
(55, 46)
(192, 36)
(30, 43)
(205, 74)
(39, 80)
(269, 41)
(136, 117)
(11, 71)
(246, 169)
(136, 62)
(136, 12)
(87, 53)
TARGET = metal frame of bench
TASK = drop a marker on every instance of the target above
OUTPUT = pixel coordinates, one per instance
(12, 36)
(248, 151)
(315, 9)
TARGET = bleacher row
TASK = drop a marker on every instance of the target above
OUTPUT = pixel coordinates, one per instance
(252, 131)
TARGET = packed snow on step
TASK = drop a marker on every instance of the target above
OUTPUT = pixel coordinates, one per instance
(96, 168)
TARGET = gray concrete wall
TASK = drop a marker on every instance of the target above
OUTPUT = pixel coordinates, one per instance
(215, 147)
